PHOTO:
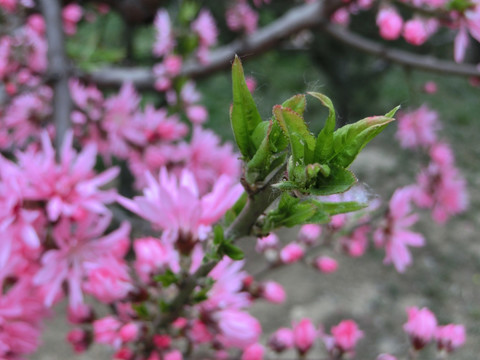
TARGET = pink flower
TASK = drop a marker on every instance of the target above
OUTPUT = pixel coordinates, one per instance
(79, 340)
(80, 249)
(175, 205)
(430, 87)
(291, 253)
(346, 335)
(390, 23)
(71, 188)
(421, 326)
(204, 26)
(164, 42)
(237, 328)
(341, 16)
(281, 340)
(253, 352)
(152, 256)
(356, 244)
(267, 242)
(173, 355)
(417, 128)
(309, 233)
(199, 333)
(227, 292)
(415, 32)
(326, 264)
(393, 235)
(242, 17)
(304, 335)
(71, 15)
(197, 114)
(273, 292)
(106, 331)
(109, 283)
(450, 337)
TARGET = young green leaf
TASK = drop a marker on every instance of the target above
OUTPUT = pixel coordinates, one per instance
(301, 140)
(232, 251)
(340, 180)
(349, 140)
(244, 114)
(296, 103)
(324, 142)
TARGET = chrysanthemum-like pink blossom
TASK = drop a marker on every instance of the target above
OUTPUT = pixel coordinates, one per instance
(417, 128)
(394, 235)
(175, 205)
(70, 188)
(86, 260)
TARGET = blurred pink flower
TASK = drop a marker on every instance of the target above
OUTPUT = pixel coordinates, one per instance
(417, 128)
(390, 23)
(326, 264)
(237, 328)
(281, 340)
(393, 234)
(421, 326)
(304, 335)
(291, 253)
(253, 352)
(273, 292)
(164, 41)
(450, 337)
(346, 335)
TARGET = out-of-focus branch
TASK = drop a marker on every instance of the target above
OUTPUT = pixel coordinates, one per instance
(421, 62)
(299, 18)
(58, 70)
(303, 17)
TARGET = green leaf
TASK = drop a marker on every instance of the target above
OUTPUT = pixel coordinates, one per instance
(164, 306)
(260, 133)
(340, 180)
(141, 310)
(232, 251)
(296, 103)
(244, 114)
(218, 236)
(266, 159)
(301, 140)
(392, 112)
(167, 279)
(324, 142)
(349, 140)
(334, 208)
(459, 5)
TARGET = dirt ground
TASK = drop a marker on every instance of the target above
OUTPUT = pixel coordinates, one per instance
(445, 277)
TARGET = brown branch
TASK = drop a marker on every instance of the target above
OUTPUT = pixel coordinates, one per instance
(300, 18)
(297, 19)
(58, 70)
(241, 227)
(421, 62)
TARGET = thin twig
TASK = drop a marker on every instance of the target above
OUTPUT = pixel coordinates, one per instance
(421, 62)
(58, 70)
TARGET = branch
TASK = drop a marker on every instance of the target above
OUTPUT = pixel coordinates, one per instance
(297, 19)
(58, 70)
(421, 62)
(241, 227)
